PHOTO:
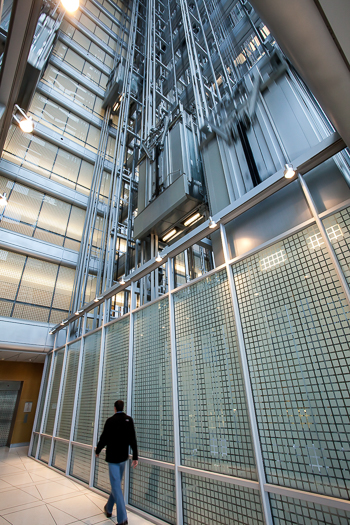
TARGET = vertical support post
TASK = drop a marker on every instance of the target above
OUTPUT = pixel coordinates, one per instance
(328, 244)
(98, 393)
(130, 378)
(54, 430)
(247, 384)
(75, 406)
(48, 385)
(177, 455)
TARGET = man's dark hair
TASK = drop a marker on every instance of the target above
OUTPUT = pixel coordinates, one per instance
(119, 405)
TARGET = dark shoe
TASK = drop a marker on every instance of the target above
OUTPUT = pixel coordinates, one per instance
(123, 523)
(108, 514)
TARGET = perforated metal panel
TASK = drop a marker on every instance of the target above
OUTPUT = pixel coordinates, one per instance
(296, 331)
(84, 426)
(214, 423)
(152, 489)
(152, 389)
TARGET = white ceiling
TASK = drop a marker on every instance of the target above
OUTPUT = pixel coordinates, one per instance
(23, 357)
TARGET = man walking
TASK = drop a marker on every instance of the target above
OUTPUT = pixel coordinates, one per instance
(117, 435)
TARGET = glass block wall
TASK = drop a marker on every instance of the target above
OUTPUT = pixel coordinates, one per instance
(238, 383)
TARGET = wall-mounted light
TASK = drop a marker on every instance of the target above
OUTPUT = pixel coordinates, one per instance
(97, 299)
(64, 322)
(159, 258)
(192, 219)
(51, 332)
(78, 312)
(26, 124)
(122, 281)
(289, 171)
(169, 235)
(3, 198)
(70, 5)
(212, 224)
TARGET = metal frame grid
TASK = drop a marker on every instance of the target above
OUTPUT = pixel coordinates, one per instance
(270, 508)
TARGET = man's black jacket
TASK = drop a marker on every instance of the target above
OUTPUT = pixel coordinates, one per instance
(117, 435)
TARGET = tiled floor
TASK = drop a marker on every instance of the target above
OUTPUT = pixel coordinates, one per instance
(32, 494)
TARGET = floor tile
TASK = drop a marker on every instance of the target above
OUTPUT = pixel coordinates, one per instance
(5, 485)
(7, 470)
(32, 490)
(13, 498)
(3, 521)
(52, 489)
(18, 479)
(60, 517)
(80, 507)
(37, 516)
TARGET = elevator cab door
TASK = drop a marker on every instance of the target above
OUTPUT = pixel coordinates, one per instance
(9, 397)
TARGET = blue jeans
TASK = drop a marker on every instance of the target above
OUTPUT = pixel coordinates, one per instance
(116, 471)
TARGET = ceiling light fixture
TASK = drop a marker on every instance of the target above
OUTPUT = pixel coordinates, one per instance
(159, 258)
(170, 234)
(26, 124)
(192, 219)
(212, 224)
(70, 5)
(289, 171)
(3, 198)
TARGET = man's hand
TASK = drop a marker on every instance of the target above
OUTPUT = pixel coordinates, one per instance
(134, 463)
(97, 455)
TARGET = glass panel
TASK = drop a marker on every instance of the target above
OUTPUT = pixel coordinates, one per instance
(54, 390)
(66, 409)
(60, 453)
(11, 269)
(63, 289)
(84, 427)
(80, 463)
(35, 445)
(208, 501)
(152, 388)
(289, 511)
(214, 421)
(38, 282)
(152, 489)
(45, 446)
(43, 393)
(296, 323)
(101, 478)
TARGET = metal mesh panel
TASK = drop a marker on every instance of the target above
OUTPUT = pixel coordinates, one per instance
(80, 463)
(206, 501)
(60, 453)
(66, 409)
(11, 268)
(152, 489)
(114, 386)
(44, 453)
(43, 394)
(84, 426)
(152, 389)
(53, 395)
(38, 282)
(214, 423)
(289, 511)
(296, 323)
